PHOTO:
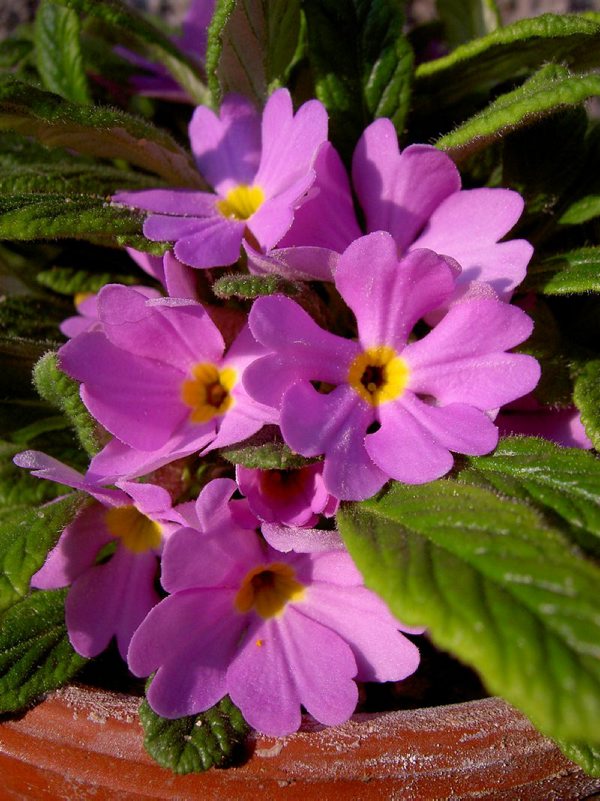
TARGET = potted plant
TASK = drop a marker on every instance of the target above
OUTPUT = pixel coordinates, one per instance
(340, 422)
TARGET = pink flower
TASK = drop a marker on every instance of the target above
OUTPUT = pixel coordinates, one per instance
(178, 279)
(106, 598)
(398, 407)
(530, 418)
(292, 497)
(274, 631)
(416, 196)
(259, 171)
(156, 378)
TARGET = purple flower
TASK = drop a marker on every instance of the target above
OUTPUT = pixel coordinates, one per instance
(178, 279)
(106, 598)
(274, 631)
(530, 418)
(157, 82)
(399, 405)
(292, 497)
(260, 172)
(416, 196)
(87, 318)
(156, 378)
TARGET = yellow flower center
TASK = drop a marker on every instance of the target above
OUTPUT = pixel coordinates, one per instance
(137, 532)
(241, 202)
(267, 589)
(208, 392)
(379, 375)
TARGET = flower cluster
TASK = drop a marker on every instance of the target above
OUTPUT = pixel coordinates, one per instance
(394, 352)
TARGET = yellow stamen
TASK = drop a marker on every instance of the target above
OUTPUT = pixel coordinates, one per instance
(379, 375)
(208, 393)
(241, 202)
(79, 297)
(267, 589)
(137, 532)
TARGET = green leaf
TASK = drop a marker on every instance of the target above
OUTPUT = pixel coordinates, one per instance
(98, 131)
(57, 216)
(586, 756)
(587, 399)
(68, 281)
(251, 44)
(196, 743)
(35, 653)
(58, 52)
(573, 272)
(548, 346)
(465, 20)
(264, 451)
(566, 480)
(506, 53)
(495, 585)
(25, 539)
(71, 179)
(581, 211)
(248, 287)
(550, 89)
(362, 64)
(22, 316)
(63, 393)
(138, 32)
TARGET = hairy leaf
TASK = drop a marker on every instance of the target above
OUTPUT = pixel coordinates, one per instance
(587, 399)
(549, 90)
(251, 45)
(495, 585)
(573, 272)
(68, 281)
(138, 32)
(35, 653)
(264, 451)
(97, 131)
(70, 179)
(508, 52)
(58, 52)
(63, 393)
(581, 211)
(195, 743)
(586, 756)
(362, 63)
(248, 287)
(25, 539)
(465, 20)
(566, 480)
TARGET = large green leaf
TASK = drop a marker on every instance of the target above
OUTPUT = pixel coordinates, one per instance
(195, 743)
(140, 33)
(251, 45)
(465, 20)
(58, 52)
(35, 654)
(573, 272)
(509, 52)
(62, 392)
(495, 585)
(25, 539)
(71, 178)
(59, 216)
(588, 756)
(362, 63)
(97, 131)
(549, 90)
(566, 480)
(587, 399)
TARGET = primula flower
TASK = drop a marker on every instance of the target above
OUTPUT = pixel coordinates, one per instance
(106, 598)
(292, 497)
(416, 196)
(87, 318)
(527, 416)
(157, 82)
(178, 279)
(397, 407)
(273, 631)
(260, 172)
(156, 378)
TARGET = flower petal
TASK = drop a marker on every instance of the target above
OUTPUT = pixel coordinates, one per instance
(399, 191)
(226, 147)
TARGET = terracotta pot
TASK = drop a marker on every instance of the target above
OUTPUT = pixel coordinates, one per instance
(87, 744)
